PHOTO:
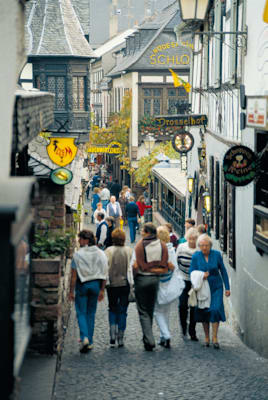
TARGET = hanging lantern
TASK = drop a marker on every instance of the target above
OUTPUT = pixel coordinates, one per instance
(207, 202)
(190, 184)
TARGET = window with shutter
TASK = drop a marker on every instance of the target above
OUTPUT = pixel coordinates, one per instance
(217, 43)
(233, 44)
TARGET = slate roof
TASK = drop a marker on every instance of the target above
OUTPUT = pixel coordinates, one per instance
(112, 43)
(166, 20)
(53, 28)
(82, 10)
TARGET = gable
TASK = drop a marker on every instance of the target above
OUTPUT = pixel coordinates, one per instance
(165, 53)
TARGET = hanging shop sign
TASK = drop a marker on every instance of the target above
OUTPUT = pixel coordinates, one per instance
(257, 111)
(183, 142)
(61, 150)
(181, 120)
(112, 148)
(61, 176)
(239, 165)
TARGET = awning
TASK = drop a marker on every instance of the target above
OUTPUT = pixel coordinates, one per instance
(173, 178)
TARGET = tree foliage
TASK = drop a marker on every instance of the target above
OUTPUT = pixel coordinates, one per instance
(117, 130)
(146, 163)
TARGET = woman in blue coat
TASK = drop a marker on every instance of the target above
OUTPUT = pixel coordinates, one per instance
(210, 262)
(95, 201)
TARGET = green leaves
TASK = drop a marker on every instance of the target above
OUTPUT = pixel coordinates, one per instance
(49, 245)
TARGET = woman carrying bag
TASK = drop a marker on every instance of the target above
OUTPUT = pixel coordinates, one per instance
(119, 282)
(170, 288)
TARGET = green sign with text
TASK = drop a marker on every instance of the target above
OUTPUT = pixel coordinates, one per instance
(180, 120)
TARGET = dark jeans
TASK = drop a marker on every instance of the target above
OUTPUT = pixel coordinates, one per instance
(86, 300)
(118, 304)
(132, 223)
(183, 311)
(146, 288)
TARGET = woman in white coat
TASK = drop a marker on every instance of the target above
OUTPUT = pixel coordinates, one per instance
(167, 292)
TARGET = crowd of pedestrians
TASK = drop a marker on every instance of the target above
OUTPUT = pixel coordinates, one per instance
(161, 269)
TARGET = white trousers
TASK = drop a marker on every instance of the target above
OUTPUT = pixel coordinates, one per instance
(161, 313)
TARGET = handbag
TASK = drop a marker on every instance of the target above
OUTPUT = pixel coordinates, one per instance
(170, 290)
(131, 296)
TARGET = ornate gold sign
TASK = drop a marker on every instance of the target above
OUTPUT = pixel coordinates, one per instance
(112, 148)
(61, 150)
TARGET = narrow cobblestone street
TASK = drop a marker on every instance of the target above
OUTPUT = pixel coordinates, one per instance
(188, 371)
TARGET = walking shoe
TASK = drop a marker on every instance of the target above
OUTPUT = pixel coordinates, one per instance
(194, 338)
(84, 345)
(120, 338)
(162, 342)
(148, 347)
(113, 334)
(90, 346)
(167, 344)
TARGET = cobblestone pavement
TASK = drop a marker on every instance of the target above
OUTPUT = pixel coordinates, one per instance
(188, 371)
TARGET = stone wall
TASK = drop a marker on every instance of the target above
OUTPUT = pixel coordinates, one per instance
(49, 206)
(50, 305)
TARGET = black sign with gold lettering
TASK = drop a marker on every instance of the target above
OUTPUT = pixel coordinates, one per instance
(239, 165)
(183, 142)
(181, 120)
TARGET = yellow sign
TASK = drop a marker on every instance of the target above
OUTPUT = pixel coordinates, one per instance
(61, 150)
(265, 13)
(112, 148)
(163, 59)
(172, 45)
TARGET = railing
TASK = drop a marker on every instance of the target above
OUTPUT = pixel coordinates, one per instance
(174, 217)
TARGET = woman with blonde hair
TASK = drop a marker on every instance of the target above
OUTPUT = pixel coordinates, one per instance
(162, 310)
(210, 262)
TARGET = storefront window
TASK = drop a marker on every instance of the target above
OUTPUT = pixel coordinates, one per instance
(260, 236)
(261, 226)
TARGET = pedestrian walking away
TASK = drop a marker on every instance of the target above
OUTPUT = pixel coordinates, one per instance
(123, 203)
(104, 196)
(133, 215)
(120, 278)
(110, 223)
(95, 201)
(115, 189)
(167, 294)
(184, 255)
(149, 261)
(210, 262)
(114, 210)
(102, 230)
(89, 272)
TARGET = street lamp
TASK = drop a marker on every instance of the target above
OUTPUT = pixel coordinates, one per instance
(190, 180)
(207, 201)
(193, 13)
(149, 142)
(193, 10)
